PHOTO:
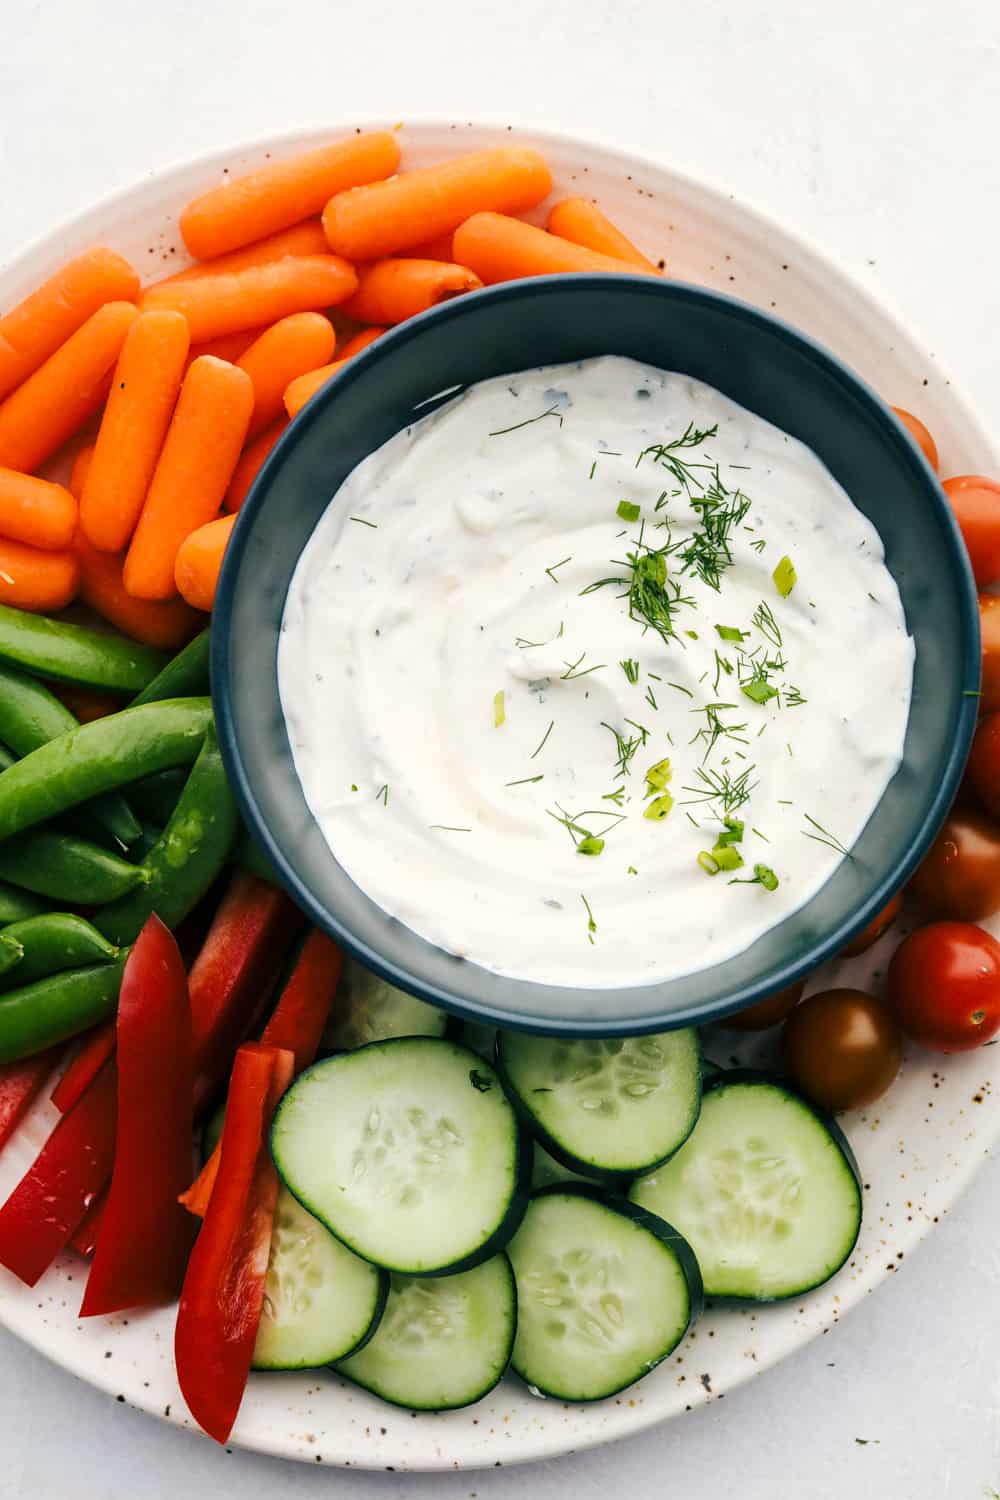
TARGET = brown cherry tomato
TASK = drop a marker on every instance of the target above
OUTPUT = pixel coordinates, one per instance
(842, 1048)
(983, 771)
(960, 876)
(976, 503)
(880, 923)
(989, 624)
(944, 986)
(919, 432)
(766, 1012)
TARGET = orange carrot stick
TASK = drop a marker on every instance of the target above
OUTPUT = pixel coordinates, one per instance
(359, 341)
(36, 327)
(80, 470)
(439, 248)
(216, 305)
(306, 238)
(391, 291)
(196, 464)
(199, 561)
(165, 623)
(31, 578)
(501, 249)
(580, 220)
(35, 511)
(385, 217)
(248, 208)
(41, 414)
(251, 462)
(144, 391)
(231, 346)
(301, 390)
(289, 348)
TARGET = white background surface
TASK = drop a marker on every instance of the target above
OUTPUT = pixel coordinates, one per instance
(872, 126)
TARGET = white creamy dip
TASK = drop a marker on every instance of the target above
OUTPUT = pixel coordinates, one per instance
(468, 714)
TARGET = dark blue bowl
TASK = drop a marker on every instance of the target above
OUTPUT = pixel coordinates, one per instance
(759, 362)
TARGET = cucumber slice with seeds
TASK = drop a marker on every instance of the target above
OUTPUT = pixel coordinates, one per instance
(606, 1108)
(370, 1009)
(442, 1343)
(605, 1291)
(408, 1151)
(766, 1190)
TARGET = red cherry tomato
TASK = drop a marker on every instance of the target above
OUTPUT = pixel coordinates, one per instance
(976, 503)
(842, 1048)
(869, 936)
(960, 876)
(989, 624)
(919, 432)
(766, 1012)
(944, 986)
(983, 771)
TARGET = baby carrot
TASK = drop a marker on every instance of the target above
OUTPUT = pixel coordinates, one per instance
(41, 414)
(199, 560)
(301, 390)
(195, 466)
(501, 249)
(144, 390)
(245, 209)
(392, 290)
(80, 470)
(439, 248)
(385, 217)
(580, 220)
(166, 623)
(359, 341)
(35, 511)
(306, 238)
(251, 462)
(36, 327)
(291, 347)
(31, 578)
(216, 305)
(229, 347)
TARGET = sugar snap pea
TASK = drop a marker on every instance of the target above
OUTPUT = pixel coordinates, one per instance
(100, 757)
(189, 853)
(31, 716)
(66, 868)
(36, 1016)
(17, 906)
(6, 759)
(184, 676)
(11, 953)
(52, 943)
(72, 653)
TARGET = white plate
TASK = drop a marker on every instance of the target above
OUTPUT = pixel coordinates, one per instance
(918, 1146)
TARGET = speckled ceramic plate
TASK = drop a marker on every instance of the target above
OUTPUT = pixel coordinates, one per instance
(917, 1148)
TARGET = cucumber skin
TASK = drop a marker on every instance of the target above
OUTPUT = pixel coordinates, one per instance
(667, 1235)
(382, 1297)
(613, 1182)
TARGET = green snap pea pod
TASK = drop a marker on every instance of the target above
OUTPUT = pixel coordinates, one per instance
(6, 759)
(100, 757)
(184, 676)
(72, 653)
(155, 797)
(17, 906)
(36, 1016)
(52, 943)
(189, 853)
(66, 868)
(151, 833)
(11, 953)
(31, 716)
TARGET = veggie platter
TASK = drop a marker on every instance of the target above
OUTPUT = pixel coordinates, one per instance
(116, 826)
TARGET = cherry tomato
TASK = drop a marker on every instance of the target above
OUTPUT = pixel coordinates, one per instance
(989, 624)
(944, 986)
(766, 1012)
(960, 876)
(976, 503)
(842, 1048)
(869, 936)
(919, 432)
(983, 771)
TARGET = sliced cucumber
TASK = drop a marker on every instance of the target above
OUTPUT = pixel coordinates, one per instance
(766, 1190)
(370, 1009)
(441, 1343)
(607, 1108)
(321, 1302)
(409, 1151)
(546, 1170)
(605, 1291)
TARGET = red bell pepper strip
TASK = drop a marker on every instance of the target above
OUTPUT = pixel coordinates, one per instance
(94, 1052)
(223, 1290)
(52, 1197)
(297, 1024)
(145, 1236)
(20, 1084)
(84, 1237)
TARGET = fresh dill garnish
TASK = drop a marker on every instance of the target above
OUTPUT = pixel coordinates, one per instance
(722, 665)
(759, 544)
(524, 645)
(653, 598)
(793, 698)
(756, 686)
(650, 699)
(760, 835)
(654, 676)
(362, 522)
(591, 924)
(626, 746)
(641, 728)
(552, 411)
(763, 618)
(870, 595)
(552, 571)
(708, 552)
(631, 669)
(571, 667)
(578, 831)
(667, 456)
(762, 875)
(449, 828)
(617, 796)
(715, 728)
(383, 792)
(824, 836)
(545, 736)
(726, 793)
(691, 819)
(526, 780)
(628, 511)
(680, 688)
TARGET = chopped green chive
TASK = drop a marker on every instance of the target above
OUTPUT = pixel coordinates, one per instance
(730, 633)
(658, 809)
(658, 776)
(354, 786)
(499, 712)
(632, 870)
(785, 577)
(627, 510)
(759, 691)
(733, 833)
(708, 864)
(762, 875)
(590, 845)
(692, 635)
(726, 857)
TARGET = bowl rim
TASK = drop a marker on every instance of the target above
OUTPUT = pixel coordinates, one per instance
(779, 977)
